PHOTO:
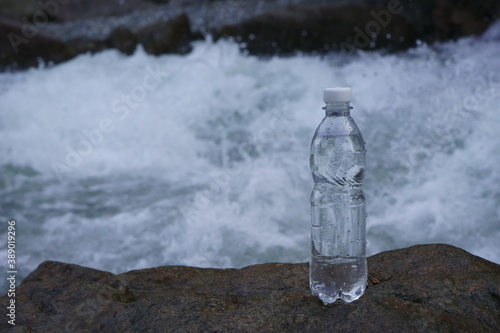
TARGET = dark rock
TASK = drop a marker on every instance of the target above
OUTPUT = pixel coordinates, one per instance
(389, 24)
(172, 36)
(123, 40)
(169, 36)
(323, 29)
(265, 28)
(426, 288)
(20, 49)
(24, 45)
(450, 19)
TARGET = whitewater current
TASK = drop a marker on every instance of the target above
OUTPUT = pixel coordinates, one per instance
(125, 162)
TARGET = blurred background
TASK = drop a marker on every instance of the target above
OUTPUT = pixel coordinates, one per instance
(140, 133)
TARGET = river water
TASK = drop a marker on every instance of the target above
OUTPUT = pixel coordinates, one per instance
(121, 163)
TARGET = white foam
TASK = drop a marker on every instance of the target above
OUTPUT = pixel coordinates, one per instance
(210, 168)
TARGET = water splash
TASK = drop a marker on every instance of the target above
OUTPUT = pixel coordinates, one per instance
(206, 164)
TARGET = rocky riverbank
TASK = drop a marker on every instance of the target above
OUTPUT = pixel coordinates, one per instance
(57, 30)
(425, 288)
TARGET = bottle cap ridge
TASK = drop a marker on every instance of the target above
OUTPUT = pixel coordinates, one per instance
(338, 94)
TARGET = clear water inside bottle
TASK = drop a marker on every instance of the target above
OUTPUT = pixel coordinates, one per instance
(338, 278)
(338, 268)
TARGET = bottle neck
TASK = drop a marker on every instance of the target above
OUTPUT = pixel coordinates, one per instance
(337, 109)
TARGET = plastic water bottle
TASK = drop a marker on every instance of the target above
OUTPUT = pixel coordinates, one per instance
(338, 267)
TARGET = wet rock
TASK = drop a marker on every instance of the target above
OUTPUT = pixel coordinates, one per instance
(264, 28)
(22, 44)
(171, 36)
(450, 19)
(379, 24)
(426, 288)
(123, 40)
(323, 29)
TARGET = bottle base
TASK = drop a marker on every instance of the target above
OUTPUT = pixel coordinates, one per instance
(333, 279)
(329, 297)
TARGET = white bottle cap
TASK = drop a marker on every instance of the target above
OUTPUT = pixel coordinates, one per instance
(339, 94)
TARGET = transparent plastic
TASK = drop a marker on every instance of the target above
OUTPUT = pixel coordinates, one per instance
(338, 268)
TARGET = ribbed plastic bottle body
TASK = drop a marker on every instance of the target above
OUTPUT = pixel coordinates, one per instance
(338, 267)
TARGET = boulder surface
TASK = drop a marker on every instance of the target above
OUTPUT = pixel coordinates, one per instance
(423, 288)
(54, 31)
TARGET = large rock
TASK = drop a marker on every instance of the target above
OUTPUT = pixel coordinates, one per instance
(450, 19)
(426, 288)
(22, 44)
(169, 36)
(323, 29)
(172, 36)
(266, 28)
(373, 24)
